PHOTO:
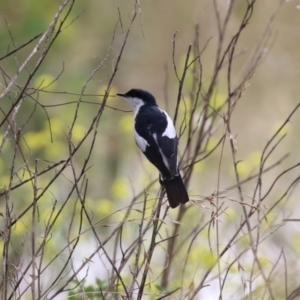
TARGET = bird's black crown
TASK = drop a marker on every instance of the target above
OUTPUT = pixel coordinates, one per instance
(140, 94)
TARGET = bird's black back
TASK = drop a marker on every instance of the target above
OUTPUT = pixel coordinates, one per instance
(150, 119)
(150, 123)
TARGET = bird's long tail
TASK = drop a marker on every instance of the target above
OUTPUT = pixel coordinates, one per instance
(176, 191)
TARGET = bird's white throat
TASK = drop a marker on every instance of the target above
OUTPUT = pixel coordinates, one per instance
(136, 104)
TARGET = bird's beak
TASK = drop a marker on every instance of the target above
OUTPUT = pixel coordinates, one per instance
(121, 95)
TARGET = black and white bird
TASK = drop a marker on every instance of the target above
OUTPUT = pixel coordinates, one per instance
(155, 135)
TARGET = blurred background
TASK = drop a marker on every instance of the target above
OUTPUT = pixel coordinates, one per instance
(93, 35)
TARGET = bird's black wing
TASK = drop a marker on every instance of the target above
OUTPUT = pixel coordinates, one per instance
(160, 149)
(168, 149)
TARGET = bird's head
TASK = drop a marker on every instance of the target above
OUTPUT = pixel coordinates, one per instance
(137, 98)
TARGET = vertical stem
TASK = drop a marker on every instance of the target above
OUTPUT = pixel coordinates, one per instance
(33, 232)
(151, 247)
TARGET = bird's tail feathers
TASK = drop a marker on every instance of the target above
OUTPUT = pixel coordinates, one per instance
(176, 191)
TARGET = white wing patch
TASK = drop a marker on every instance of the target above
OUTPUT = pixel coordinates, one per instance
(141, 142)
(170, 131)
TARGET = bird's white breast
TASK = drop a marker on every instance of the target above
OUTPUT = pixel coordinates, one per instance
(141, 142)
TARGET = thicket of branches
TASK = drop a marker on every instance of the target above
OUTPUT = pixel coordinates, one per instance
(143, 248)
